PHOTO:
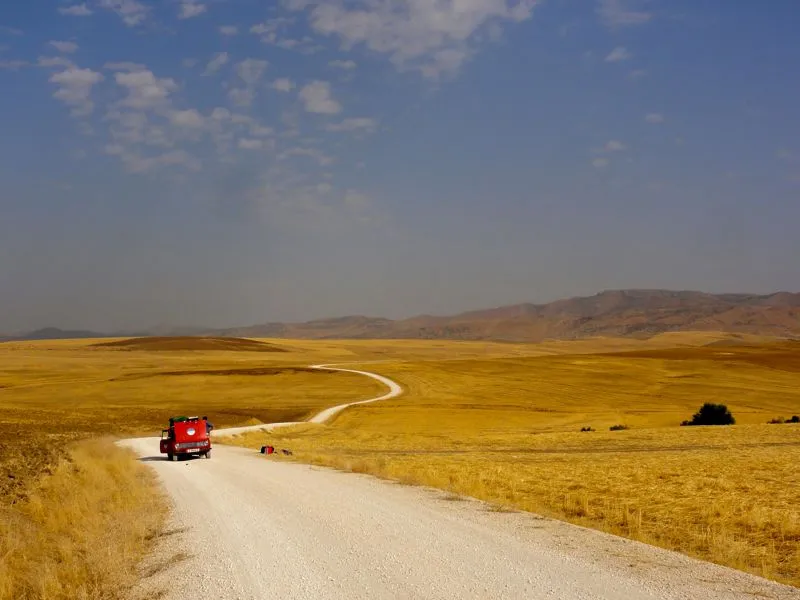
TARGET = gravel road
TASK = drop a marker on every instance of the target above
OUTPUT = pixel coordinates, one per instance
(248, 527)
(326, 415)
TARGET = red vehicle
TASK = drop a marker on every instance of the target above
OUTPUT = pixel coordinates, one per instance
(186, 436)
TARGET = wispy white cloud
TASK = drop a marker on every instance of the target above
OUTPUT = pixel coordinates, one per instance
(132, 12)
(614, 146)
(144, 89)
(654, 118)
(146, 135)
(13, 65)
(220, 114)
(619, 54)
(261, 131)
(54, 61)
(114, 149)
(75, 89)
(251, 70)
(610, 147)
(433, 37)
(242, 96)
(128, 126)
(362, 124)
(239, 119)
(346, 65)
(283, 84)
(248, 144)
(313, 153)
(191, 119)
(297, 4)
(76, 10)
(623, 13)
(149, 126)
(316, 97)
(191, 9)
(11, 31)
(275, 32)
(124, 66)
(271, 30)
(215, 64)
(140, 164)
(65, 47)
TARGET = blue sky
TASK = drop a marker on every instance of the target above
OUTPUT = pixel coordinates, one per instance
(224, 162)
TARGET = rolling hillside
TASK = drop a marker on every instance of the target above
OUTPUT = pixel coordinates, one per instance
(618, 313)
(630, 313)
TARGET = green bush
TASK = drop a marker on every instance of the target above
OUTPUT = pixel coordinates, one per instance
(618, 428)
(712, 414)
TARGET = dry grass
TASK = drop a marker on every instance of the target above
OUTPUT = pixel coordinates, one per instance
(82, 530)
(75, 387)
(76, 528)
(495, 421)
(56, 392)
(507, 430)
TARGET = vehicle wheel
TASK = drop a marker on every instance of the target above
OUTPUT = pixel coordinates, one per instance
(169, 457)
(208, 454)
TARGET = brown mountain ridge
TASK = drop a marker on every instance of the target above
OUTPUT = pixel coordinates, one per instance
(626, 313)
(613, 313)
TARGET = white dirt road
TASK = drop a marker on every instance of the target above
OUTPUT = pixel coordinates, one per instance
(256, 529)
(326, 415)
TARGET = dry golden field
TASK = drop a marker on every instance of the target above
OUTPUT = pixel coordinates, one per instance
(81, 530)
(507, 430)
(76, 512)
(493, 420)
(56, 392)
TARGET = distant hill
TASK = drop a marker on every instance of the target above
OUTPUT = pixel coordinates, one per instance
(184, 343)
(618, 313)
(624, 313)
(54, 333)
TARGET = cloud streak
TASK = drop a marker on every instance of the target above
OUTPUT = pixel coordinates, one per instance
(132, 12)
(65, 47)
(216, 63)
(75, 89)
(435, 38)
(618, 54)
(317, 98)
(622, 13)
(76, 10)
(189, 10)
(144, 89)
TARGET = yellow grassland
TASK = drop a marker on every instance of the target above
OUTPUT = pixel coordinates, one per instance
(76, 514)
(82, 529)
(496, 421)
(507, 430)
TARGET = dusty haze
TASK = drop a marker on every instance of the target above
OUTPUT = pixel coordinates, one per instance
(226, 166)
